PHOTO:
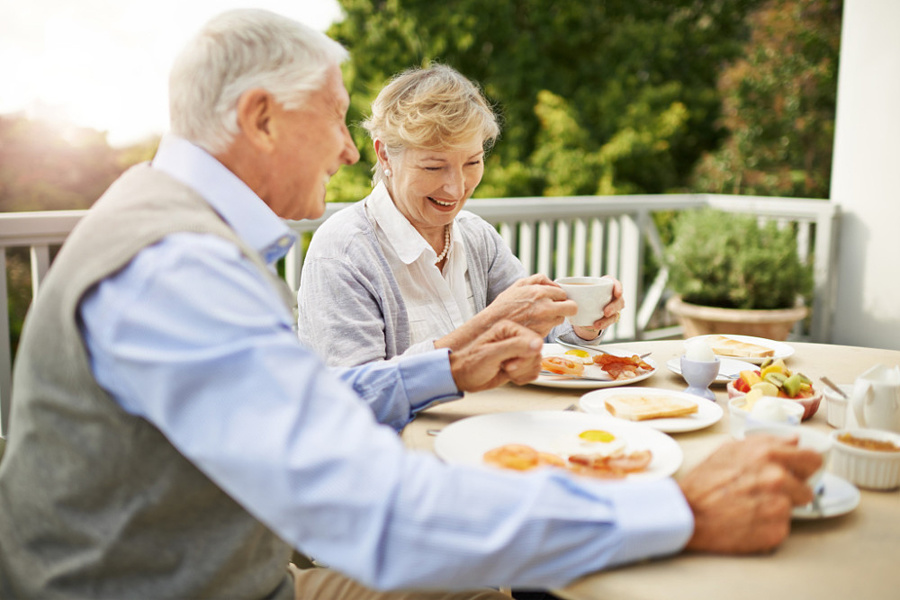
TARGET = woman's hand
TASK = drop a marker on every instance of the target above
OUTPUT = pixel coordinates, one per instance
(610, 314)
(534, 302)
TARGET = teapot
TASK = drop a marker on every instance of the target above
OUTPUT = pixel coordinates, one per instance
(875, 401)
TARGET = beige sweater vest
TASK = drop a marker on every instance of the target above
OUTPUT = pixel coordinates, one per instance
(94, 502)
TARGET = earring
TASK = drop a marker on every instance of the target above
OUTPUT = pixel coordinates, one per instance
(387, 173)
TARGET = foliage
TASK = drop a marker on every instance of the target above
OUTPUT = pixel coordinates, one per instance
(779, 105)
(731, 261)
(42, 168)
(18, 285)
(612, 97)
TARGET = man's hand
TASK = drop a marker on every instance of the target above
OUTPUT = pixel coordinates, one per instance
(535, 302)
(505, 352)
(743, 493)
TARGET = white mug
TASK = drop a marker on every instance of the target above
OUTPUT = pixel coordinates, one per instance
(808, 438)
(591, 294)
(875, 401)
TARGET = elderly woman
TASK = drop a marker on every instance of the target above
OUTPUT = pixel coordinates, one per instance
(406, 270)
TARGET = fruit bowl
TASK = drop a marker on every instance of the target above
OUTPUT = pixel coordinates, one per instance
(810, 404)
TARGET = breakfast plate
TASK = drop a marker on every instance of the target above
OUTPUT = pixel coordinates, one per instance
(839, 498)
(599, 377)
(729, 368)
(465, 441)
(781, 349)
(708, 413)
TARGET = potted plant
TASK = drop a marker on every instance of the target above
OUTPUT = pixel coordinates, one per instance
(732, 275)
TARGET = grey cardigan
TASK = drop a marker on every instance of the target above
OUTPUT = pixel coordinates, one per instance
(351, 310)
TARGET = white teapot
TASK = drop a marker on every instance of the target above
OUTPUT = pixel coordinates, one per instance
(875, 401)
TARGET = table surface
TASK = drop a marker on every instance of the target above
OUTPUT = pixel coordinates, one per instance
(856, 555)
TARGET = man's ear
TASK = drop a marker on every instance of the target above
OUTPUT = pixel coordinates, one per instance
(256, 111)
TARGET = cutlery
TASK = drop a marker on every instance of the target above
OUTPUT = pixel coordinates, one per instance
(831, 384)
(592, 350)
(818, 493)
(570, 376)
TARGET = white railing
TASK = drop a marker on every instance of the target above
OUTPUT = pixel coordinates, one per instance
(590, 235)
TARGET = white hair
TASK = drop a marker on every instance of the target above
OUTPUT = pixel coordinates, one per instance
(238, 51)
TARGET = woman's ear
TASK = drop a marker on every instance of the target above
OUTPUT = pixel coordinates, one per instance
(256, 115)
(381, 153)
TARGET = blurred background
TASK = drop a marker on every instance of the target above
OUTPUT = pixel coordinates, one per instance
(604, 97)
(611, 97)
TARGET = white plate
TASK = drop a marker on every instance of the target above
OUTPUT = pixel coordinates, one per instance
(603, 379)
(708, 412)
(840, 497)
(465, 441)
(781, 349)
(727, 366)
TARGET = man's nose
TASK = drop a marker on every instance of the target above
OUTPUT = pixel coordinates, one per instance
(351, 153)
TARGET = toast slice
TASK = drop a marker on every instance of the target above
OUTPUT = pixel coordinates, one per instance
(641, 408)
(726, 346)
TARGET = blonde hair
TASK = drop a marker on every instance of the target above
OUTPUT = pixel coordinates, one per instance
(433, 108)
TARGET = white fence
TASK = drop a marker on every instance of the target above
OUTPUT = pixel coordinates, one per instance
(592, 235)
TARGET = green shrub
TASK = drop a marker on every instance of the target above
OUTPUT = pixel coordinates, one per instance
(728, 260)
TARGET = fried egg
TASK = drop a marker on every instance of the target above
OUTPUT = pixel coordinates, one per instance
(582, 355)
(591, 442)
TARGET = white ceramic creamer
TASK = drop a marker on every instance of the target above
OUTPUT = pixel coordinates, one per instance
(875, 401)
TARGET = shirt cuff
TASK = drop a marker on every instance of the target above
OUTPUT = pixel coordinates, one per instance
(571, 337)
(654, 517)
(428, 379)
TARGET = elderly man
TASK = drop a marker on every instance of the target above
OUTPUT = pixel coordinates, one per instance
(170, 437)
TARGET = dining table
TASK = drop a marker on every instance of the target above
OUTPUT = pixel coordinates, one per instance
(854, 555)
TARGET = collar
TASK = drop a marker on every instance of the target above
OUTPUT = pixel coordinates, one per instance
(236, 203)
(406, 241)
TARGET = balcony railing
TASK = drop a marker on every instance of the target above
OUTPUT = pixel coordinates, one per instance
(584, 235)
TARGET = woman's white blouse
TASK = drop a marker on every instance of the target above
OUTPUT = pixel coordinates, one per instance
(436, 302)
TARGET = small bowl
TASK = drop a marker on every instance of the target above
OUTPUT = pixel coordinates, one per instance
(836, 405)
(740, 418)
(810, 405)
(871, 469)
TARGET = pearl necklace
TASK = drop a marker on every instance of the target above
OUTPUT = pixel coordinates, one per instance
(443, 254)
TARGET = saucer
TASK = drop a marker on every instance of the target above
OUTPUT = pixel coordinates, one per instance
(840, 497)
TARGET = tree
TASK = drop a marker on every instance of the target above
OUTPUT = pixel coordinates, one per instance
(615, 96)
(47, 168)
(779, 105)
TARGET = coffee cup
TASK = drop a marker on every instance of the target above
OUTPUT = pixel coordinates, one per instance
(591, 294)
(808, 438)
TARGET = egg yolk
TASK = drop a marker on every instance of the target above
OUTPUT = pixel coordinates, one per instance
(596, 435)
(579, 353)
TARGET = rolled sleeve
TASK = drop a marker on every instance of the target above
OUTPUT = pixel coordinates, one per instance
(655, 518)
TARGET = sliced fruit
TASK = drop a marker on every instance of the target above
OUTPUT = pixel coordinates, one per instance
(776, 379)
(792, 385)
(751, 398)
(766, 388)
(750, 377)
(777, 366)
